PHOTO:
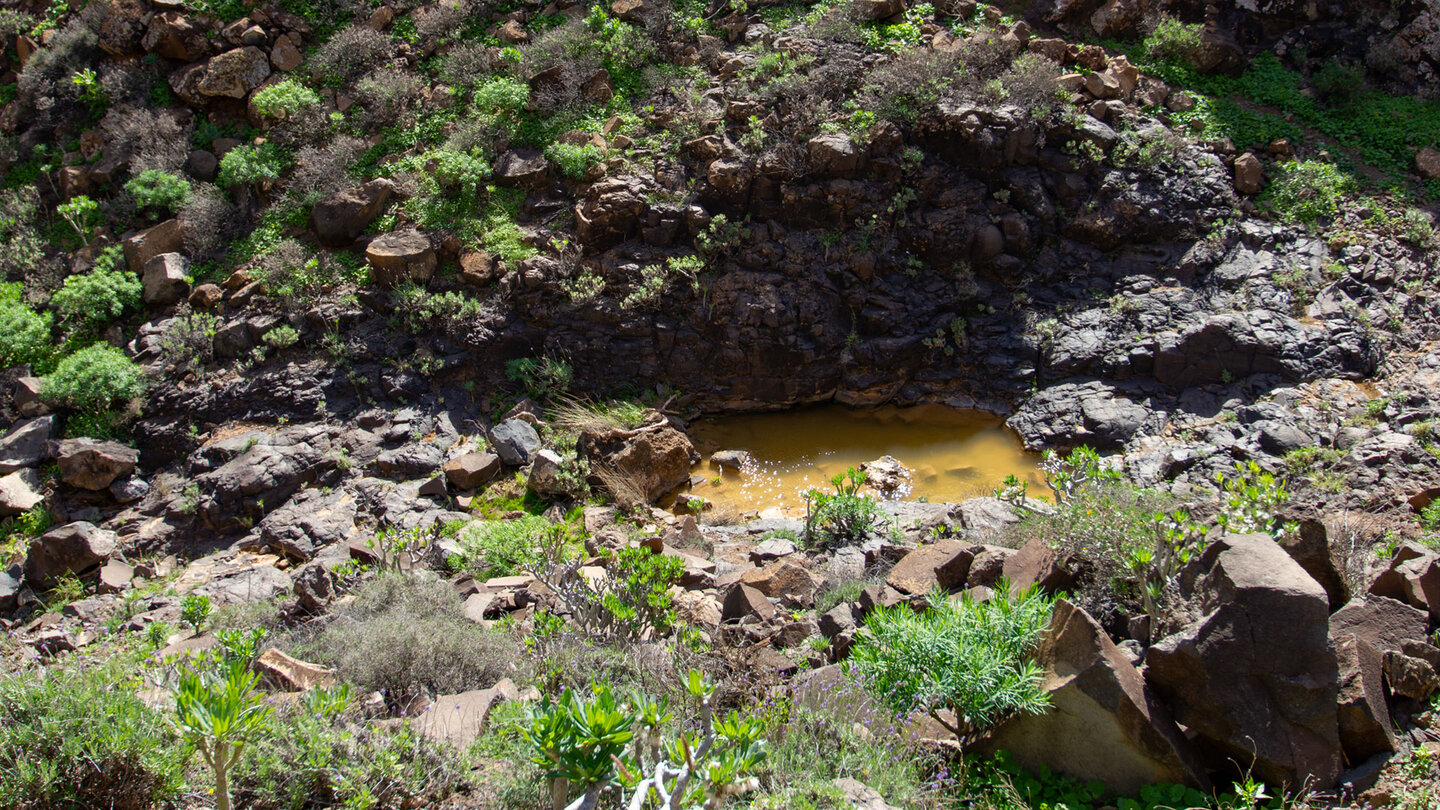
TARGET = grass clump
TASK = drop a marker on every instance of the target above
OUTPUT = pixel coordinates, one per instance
(406, 637)
(966, 664)
(579, 415)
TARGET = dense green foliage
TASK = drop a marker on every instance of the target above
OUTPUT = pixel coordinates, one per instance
(962, 656)
(1306, 190)
(94, 379)
(77, 736)
(159, 192)
(24, 333)
(88, 302)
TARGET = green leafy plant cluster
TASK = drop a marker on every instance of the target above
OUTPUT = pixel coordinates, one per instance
(500, 548)
(1307, 190)
(600, 749)
(158, 191)
(574, 160)
(844, 516)
(542, 378)
(88, 302)
(94, 379)
(248, 165)
(966, 664)
(24, 333)
(631, 602)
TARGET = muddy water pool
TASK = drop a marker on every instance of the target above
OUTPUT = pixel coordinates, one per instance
(952, 454)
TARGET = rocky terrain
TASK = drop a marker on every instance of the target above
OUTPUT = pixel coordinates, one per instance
(304, 300)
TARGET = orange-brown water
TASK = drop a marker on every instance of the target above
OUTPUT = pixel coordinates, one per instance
(953, 454)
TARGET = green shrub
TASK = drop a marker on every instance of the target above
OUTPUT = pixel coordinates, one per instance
(407, 637)
(630, 604)
(158, 191)
(966, 657)
(1339, 84)
(93, 379)
(1174, 41)
(283, 99)
(247, 165)
(24, 333)
(501, 548)
(81, 213)
(219, 713)
(1306, 190)
(318, 754)
(574, 161)
(77, 736)
(844, 516)
(87, 303)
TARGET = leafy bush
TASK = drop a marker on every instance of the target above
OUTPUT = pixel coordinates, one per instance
(631, 603)
(574, 161)
(599, 745)
(1339, 84)
(93, 379)
(246, 165)
(77, 736)
(159, 191)
(24, 333)
(1174, 41)
(407, 637)
(501, 548)
(87, 303)
(1306, 190)
(82, 214)
(843, 517)
(284, 99)
(219, 714)
(966, 657)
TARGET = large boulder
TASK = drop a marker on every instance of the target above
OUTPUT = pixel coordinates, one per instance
(165, 279)
(525, 168)
(1103, 723)
(75, 548)
(401, 256)
(339, 218)
(95, 465)
(610, 211)
(515, 441)
(1365, 728)
(263, 477)
(167, 237)
(1249, 666)
(652, 459)
(1384, 624)
(173, 36)
(944, 565)
(234, 74)
(309, 523)
(26, 443)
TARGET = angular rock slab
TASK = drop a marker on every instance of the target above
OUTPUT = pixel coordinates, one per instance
(1104, 723)
(1254, 673)
(1365, 728)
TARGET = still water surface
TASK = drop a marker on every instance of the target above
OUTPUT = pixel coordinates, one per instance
(954, 454)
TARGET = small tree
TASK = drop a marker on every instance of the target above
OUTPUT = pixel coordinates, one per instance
(194, 610)
(218, 714)
(965, 663)
(80, 212)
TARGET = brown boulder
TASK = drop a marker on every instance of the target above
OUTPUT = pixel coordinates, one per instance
(1038, 564)
(94, 465)
(944, 565)
(75, 548)
(1365, 728)
(459, 719)
(1384, 624)
(234, 74)
(524, 168)
(785, 580)
(164, 280)
(653, 459)
(1253, 674)
(1249, 174)
(472, 470)
(339, 218)
(1104, 723)
(401, 256)
(610, 211)
(742, 601)
(876, 9)
(167, 237)
(1413, 578)
(173, 36)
